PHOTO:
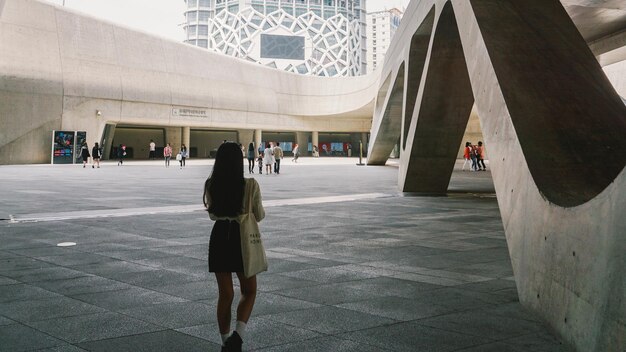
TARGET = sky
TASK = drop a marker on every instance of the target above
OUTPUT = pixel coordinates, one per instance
(164, 17)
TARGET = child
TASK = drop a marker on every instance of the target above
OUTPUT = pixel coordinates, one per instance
(259, 161)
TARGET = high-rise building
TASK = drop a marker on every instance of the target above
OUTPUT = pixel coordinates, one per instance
(315, 37)
(381, 26)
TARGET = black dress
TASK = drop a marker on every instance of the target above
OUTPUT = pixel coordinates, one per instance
(225, 248)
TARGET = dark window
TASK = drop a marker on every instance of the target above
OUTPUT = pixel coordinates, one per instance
(282, 47)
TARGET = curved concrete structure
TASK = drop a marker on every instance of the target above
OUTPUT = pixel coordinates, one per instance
(555, 130)
(75, 65)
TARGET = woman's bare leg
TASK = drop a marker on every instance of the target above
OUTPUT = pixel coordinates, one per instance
(248, 296)
(224, 301)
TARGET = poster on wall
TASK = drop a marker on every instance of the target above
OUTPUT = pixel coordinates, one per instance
(63, 147)
(81, 137)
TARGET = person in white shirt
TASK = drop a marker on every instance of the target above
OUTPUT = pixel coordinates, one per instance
(152, 155)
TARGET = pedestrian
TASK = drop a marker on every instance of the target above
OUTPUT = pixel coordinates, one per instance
(167, 154)
(121, 154)
(225, 193)
(466, 155)
(183, 155)
(96, 154)
(349, 150)
(278, 155)
(473, 157)
(250, 157)
(316, 152)
(268, 159)
(480, 156)
(259, 160)
(296, 153)
(152, 147)
(84, 153)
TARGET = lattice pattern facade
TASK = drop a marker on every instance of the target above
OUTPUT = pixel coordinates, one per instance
(325, 42)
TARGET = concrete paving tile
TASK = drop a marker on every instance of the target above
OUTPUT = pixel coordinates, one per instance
(7, 281)
(154, 279)
(539, 342)
(93, 327)
(76, 258)
(396, 308)
(128, 298)
(268, 282)
(44, 274)
(330, 274)
(324, 344)
(411, 337)
(480, 323)
(18, 337)
(329, 320)
(388, 286)
(35, 310)
(45, 251)
(329, 294)
(21, 263)
(163, 341)
(79, 285)
(173, 315)
(269, 303)
(63, 348)
(277, 265)
(493, 347)
(193, 291)
(6, 321)
(112, 268)
(22, 292)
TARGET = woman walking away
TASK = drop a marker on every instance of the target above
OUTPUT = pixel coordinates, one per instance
(96, 154)
(268, 159)
(121, 153)
(226, 192)
(84, 153)
(167, 154)
(296, 153)
(250, 157)
(466, 155)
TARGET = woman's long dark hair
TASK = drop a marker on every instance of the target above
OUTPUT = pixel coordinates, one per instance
(226, 184)
(251, 147)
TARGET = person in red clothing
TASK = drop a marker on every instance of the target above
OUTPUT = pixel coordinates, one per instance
(480, 157)
(466, 155)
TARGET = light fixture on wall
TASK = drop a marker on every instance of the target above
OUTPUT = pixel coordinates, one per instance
(98, 113)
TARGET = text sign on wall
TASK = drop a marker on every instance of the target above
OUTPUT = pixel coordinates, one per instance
(189, 112)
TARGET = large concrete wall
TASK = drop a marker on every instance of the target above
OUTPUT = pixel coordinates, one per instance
(555, 130)
(59, 67)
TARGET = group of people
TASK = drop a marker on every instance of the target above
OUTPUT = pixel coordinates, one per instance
(474, 156)
(181, 157)
(96, 154)
(269, 155)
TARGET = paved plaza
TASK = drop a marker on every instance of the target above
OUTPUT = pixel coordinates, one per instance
(354, 264)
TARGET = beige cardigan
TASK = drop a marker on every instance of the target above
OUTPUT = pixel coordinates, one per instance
(257, 205)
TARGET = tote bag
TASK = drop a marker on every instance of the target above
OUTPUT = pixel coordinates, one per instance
(252, 251)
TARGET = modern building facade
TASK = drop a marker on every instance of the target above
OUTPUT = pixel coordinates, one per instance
(381, 26)
(312, 37)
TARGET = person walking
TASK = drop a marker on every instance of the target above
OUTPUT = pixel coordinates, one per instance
(250, 157)
(225, 194)
(480, 156)
(183, 155)
(121, 153)
(152, 147)
(473, 157)
(167, 154)
(84, 153)
(466, 155)
(96, 154)
(278, 155)
(296, 153)
(268, 159)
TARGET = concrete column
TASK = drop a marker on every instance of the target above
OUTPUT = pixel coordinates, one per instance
(364, 141)
(186, 136)
(257, 140)
(315, 138)
(173, 137)
(245, 137)
(302, 138)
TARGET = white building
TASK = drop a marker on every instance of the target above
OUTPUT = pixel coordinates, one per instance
(315, 37)
(381, 26)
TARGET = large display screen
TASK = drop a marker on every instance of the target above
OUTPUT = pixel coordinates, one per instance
(282, 47)
(62, 149)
